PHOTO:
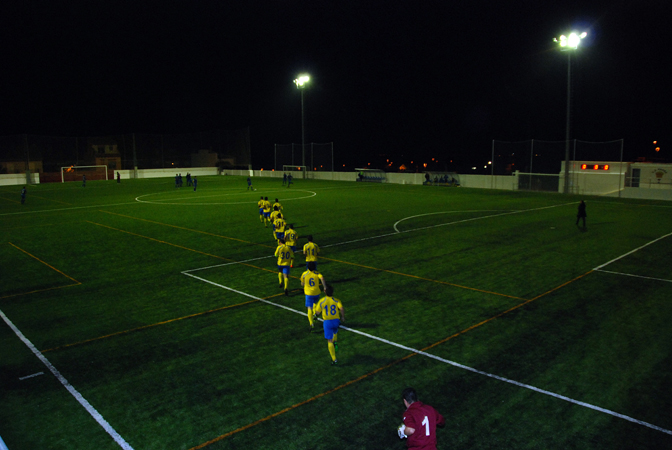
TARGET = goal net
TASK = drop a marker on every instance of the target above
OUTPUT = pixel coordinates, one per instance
(296, 171)
(76, 173)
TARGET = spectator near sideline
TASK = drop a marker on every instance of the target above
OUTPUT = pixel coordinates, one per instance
(420, 422)
(581, 213)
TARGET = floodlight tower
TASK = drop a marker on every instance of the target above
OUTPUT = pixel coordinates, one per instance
(301, 83)
(568, 44)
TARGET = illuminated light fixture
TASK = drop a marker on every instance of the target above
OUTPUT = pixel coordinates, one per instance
(570, 42)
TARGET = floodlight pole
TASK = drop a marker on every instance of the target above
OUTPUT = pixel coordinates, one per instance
(569, 120)
(568, 44)
(301, 82)
(303, 133)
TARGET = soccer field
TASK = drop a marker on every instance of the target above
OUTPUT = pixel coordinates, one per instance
(138, 315)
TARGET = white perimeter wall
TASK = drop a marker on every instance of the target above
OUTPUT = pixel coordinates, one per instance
(603, 184)
(19, 178)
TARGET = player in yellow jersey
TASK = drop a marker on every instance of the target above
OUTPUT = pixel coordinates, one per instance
(267, 211)
(279, 225)
(290, 239)
(274, 215)
(260, 204)
(330, 308)
(278, 204)
(284, 255)
(310, 251)
(310, 281)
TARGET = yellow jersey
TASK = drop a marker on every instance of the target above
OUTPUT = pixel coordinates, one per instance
(279, 225)
(330, 308)
(284, 254)
(311, 282)
(291, 237)
(311, 250)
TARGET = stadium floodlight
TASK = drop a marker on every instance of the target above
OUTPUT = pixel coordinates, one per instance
(568, 43)
(301, 82)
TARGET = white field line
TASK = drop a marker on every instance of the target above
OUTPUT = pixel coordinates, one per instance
(633, 275)
(452, 363)
(384, 235)
(31, 376)
(457, 221)
(247, 202)
(90, 409)
(632, 251)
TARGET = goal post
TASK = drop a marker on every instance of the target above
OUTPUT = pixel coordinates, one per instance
(75, 173)
(299, 171)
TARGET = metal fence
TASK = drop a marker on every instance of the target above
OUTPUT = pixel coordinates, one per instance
(316, 157)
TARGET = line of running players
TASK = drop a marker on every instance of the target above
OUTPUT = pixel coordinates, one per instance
(311, 279)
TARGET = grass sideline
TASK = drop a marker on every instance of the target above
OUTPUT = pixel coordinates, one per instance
(160, 306)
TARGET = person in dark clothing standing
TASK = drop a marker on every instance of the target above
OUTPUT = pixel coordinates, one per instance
(581, 214)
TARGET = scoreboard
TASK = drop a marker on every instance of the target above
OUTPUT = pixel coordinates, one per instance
(594, 166)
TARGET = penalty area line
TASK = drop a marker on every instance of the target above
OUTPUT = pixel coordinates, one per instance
(454, 364)
(82, 401)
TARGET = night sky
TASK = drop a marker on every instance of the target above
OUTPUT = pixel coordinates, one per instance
(394, 79)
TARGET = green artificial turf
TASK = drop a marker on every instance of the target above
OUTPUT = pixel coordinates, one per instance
(161, 307)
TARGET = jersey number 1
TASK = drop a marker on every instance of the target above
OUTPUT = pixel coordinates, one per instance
(425, 422)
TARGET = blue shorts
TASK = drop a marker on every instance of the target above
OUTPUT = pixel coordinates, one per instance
(331, 328)
(311, 300)
(261, 211)
(267, 215)
(293, 247)
(284, 269)
(280, 234)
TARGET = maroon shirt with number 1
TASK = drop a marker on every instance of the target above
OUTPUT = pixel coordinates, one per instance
(424, 419)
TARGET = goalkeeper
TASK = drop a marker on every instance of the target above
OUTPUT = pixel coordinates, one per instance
(420, 422)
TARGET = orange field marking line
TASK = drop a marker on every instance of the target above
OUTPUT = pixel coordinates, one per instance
(426, 279)
(147, 326)
(186, 229)
(187, 248)
(40, 290)
(329, 259)
(466, 330)
(289, 408)
(10, 200)
(48, 265)
(410, 355)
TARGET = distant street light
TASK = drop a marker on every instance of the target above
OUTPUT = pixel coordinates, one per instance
(301, 82)
(568, 44)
